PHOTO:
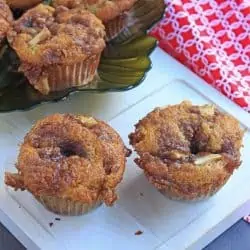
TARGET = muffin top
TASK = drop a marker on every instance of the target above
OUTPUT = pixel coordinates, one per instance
(73, 157)
(44, 35)
(189, 136)
(106, 10)
(5, 19)
(23, 4)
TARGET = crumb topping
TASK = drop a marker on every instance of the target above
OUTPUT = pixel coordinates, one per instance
(192, 149)
(106, 10)
(44, 35)
(188, 133)
(6, 19)
(74, 157)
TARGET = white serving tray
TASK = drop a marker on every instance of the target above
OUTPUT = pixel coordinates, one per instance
(165, 224)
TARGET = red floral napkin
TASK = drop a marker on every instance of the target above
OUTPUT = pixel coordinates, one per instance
(212, 38)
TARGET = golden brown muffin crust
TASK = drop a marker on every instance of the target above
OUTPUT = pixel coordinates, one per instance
(106, 10)
(22, 4)
(73, 157)
(6, 19)
(189, 147)
(45, 36)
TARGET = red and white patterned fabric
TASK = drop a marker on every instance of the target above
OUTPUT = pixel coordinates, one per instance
(247, 219)
(212, 38)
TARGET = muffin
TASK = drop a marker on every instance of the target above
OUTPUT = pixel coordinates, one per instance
(6, 19)
(24, 4)
(70, 163)
(188, 152)
(113, 13)
(58, 48)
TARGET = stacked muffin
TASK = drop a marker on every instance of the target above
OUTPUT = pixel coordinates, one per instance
(60, 46)
(113, 13)
(6, 19)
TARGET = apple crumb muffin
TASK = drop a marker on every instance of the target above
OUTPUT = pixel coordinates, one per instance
(113, 13)
(58, 48)
(70, 163)
(186, 151)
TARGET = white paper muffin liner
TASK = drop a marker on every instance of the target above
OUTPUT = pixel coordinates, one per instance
(65, 206)
(65, 76)
(115, 26)
(174, 194)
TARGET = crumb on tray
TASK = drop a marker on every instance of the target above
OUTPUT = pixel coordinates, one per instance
(139, 232)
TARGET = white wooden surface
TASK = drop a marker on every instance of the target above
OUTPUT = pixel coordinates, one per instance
(166, 224)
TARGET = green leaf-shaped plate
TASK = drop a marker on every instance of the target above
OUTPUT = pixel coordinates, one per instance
(123, 66)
